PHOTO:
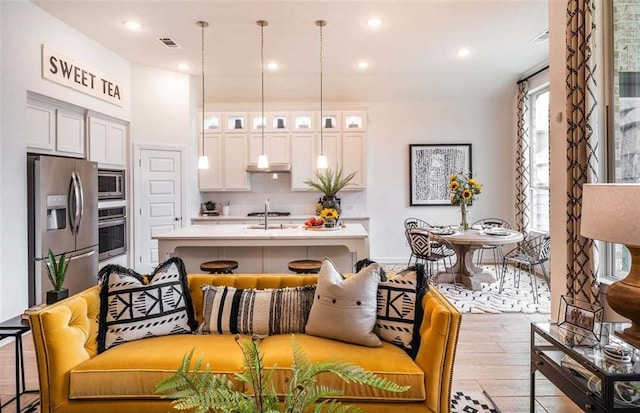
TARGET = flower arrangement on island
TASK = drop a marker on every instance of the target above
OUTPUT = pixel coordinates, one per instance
(463, 190)
(330, 216)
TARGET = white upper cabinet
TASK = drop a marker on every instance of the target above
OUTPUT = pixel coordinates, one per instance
(353, 159)
(235, 162)
(54, 127)
(276, 147)
(236, 122)
(355, 121)
(212, 179)
(212, 122)
(107, 142)
(303, 159)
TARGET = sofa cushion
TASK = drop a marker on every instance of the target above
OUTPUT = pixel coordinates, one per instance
(132, 370)
(345, 309)
(228, 310)
(133, 306)
(400, 308)
(388, 361)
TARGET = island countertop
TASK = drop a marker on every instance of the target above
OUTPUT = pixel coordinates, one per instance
(275, 231)
(260, 242)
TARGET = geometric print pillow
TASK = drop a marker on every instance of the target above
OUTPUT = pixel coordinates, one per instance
(400, 309)
(133, 306)
(228, 310)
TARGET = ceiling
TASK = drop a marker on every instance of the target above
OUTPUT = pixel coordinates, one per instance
(411, 56)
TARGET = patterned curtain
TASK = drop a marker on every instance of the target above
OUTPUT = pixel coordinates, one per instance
(581, 145)
(522, 160)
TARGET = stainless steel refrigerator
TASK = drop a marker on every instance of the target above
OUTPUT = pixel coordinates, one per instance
(63, 218)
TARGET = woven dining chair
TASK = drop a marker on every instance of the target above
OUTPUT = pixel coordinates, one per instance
(497, 251)
(531, 252)
(411, 223)
(430, 249)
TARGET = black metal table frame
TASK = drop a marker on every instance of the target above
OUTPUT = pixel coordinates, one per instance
(569, 385)
(16, 327)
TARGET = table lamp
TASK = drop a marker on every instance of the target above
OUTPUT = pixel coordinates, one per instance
(610, 212)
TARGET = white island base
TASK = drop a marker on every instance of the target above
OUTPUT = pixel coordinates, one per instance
(263, 251)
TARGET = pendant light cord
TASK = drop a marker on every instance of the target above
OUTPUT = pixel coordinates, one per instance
(203, 25)
(263, 120)
(321, 23)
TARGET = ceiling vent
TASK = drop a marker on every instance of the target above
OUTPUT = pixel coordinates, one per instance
(169, 42)
(541, 38)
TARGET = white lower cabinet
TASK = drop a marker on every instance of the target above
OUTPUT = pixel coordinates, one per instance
(107, 142)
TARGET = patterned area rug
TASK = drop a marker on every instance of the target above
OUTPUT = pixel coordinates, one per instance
(488, 300)
(464, 403)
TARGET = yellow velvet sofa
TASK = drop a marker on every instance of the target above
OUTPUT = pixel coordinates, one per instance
(75, 378)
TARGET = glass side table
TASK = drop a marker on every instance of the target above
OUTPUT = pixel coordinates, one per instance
(578, 367)
(16, 327)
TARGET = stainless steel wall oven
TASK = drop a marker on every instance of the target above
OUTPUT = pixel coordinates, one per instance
(112, 228)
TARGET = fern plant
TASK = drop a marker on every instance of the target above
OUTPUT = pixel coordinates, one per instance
(330, 182)
(202, 391)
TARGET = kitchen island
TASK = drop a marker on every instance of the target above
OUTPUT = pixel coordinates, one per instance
(260, 250)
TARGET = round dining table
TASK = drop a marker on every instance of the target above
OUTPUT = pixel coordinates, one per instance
(465, 243)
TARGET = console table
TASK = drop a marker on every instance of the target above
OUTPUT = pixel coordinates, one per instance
(15, 327)
(551, 346)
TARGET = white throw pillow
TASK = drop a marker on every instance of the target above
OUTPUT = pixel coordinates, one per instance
(345, 309)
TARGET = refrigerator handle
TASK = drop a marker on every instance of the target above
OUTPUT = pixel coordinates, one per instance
(86, 254)
(71, 203)
(81, 202)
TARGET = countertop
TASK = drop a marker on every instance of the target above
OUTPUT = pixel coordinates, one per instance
(243, 232)
(300, 218)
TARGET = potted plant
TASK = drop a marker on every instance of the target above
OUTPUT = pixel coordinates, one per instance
(57, 271)
(201, 391)
(329, 183)
(210, 205)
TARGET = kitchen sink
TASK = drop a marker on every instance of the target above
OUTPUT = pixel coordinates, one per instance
(274, 226)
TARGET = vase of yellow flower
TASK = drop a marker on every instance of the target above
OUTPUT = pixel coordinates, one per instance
(463, 191)
(330, 217)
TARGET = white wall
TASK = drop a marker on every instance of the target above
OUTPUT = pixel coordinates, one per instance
(24, 28)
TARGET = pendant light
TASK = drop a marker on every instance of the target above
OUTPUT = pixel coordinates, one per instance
(263, 161)
(322, 159)
(203, 161)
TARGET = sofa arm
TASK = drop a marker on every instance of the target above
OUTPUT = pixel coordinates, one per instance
(64, 335)
(438, 341)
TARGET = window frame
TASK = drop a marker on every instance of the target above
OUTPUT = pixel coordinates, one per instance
(530, 122)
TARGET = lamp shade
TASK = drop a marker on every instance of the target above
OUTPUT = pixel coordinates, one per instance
(610, 212)
(203, 162)
(322, 162)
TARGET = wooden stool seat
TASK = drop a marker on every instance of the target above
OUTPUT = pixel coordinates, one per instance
(305, 266)
(219, 266)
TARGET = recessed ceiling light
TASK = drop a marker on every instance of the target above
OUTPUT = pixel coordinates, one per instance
(183, 66)
(374, 22)
(464, 52)
(272, 66)
(132, 25)
(363, 64)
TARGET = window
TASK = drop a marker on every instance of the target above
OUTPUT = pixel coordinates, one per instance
(539, 158)
(623, 163)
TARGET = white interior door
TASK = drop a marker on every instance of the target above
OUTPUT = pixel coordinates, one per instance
(160, 206)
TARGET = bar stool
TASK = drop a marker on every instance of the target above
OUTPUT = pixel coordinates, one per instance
(305, 266)
(219, 266)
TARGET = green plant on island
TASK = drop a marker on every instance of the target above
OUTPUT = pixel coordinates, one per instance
(202, 391)
(57, 270)
(330, 182)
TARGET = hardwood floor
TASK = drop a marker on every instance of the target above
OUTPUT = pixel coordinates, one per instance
(493, 355)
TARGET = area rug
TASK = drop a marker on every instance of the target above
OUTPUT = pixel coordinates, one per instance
(464, 403)
(489, 300)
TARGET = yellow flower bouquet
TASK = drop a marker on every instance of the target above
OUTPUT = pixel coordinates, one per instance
(329, 216)
(463, 190)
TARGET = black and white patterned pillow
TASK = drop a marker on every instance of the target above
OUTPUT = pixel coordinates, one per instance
(133, 306)
(399, 310)
(227, 310)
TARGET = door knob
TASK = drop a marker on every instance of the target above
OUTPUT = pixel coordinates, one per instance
(178, 218)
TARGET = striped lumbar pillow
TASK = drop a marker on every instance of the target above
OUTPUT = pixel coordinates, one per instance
(228, 310)
(133, 306)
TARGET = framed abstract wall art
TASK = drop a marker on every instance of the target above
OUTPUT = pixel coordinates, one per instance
(430, 166)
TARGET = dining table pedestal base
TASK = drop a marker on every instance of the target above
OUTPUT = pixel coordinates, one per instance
(465, 271)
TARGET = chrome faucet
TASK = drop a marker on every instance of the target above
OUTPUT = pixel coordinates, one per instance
(266, 214)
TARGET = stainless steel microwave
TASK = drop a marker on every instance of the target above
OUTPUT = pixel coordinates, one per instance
(110, 184)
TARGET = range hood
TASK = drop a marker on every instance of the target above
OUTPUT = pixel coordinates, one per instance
(273, 168)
